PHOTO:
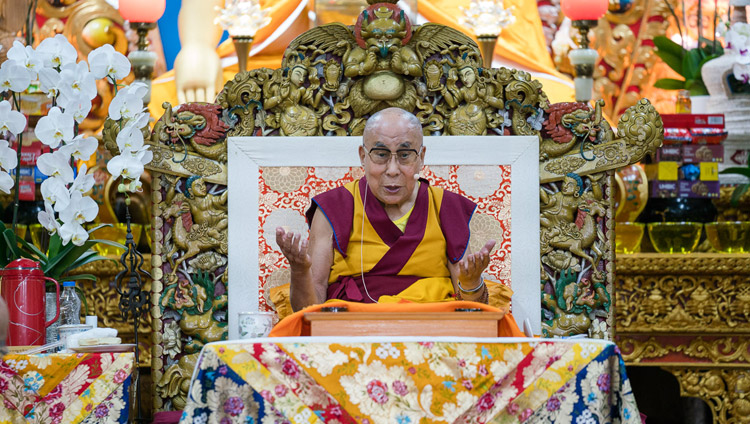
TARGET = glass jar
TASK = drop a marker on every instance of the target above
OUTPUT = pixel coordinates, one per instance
(683, 104)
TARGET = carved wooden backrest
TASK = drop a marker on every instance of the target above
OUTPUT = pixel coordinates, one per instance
(332, 79)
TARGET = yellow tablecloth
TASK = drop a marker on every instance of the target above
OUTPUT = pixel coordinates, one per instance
(411, 380)
(65, 388)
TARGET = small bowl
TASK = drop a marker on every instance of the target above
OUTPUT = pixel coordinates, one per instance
(675, 237)
(729, 237)
(628, 237)
(255, 324)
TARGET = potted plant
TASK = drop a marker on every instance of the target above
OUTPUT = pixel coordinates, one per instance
(687, 63)
(71, 85)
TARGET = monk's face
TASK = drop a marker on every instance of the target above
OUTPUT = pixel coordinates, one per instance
(392, 182)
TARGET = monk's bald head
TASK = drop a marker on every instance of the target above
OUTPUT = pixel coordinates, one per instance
(393, 118)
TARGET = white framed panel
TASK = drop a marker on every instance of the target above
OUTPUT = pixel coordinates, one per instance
(247, 154)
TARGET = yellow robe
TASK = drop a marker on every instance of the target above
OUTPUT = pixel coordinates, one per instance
(410, 265)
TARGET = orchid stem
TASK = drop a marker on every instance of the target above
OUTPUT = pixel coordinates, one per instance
(30, 18)
(17, 183)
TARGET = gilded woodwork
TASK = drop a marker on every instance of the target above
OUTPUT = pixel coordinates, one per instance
(683, 294)
(332, 78)
(706, 351)
(725, 391)
(103, 300)
(689, 314)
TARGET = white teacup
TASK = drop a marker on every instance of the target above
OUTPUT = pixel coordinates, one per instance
(255, 324)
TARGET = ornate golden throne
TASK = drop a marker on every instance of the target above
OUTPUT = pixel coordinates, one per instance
(332, 79)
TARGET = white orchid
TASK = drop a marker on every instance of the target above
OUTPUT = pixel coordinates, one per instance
(26, 57)
(47, 219)
(55, 192)
(105, 61)
(129, 164)
(56, 165)
(13, 77)
(8, 157)
(75, 80)
(738, 43)
(54, 128)
(135, 186)
(73, 231)
(130, 136)
(78, 107)
(83, 182)
(81, 209)
(128, 102)
(11, 120)
(81, 148)
(56, 52)
(49, 82)
(6, 182)
(8, 161)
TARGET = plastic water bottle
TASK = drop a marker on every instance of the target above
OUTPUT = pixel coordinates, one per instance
(70, 304)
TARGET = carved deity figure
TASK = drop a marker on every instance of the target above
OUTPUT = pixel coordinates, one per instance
(200, 220)
(294, 102)
(469, 101)
(567, 217)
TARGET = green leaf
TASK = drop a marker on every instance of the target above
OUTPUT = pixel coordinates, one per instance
(55, 244)
(691, 64)
(710, 48)
(83, 260)
(60, 264)
(33, 249)
(82, 296)
(745, 171)
(697, 88)
(98, 227)
(110, 243)
(10, 240)
(737, 194)
(669, 84)
(670, 52)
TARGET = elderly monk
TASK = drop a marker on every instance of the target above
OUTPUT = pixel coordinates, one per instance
(389, 236)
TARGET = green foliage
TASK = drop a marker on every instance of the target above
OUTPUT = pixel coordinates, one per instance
(742, 188)
(687, 63)
(58, 261)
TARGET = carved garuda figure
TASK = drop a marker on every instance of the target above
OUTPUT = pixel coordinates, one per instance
(334, 76)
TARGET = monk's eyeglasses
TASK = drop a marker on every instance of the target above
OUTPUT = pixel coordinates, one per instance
(381, 156)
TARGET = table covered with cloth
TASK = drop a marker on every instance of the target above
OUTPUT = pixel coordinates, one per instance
(65, 388)
(410, 380)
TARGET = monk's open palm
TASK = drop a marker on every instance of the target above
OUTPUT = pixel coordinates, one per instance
(294, 247)
(470, 268)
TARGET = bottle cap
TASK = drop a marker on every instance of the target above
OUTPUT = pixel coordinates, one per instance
(69, 283)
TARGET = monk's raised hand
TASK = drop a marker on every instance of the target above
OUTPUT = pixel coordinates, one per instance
(472, 265)
(294, 247)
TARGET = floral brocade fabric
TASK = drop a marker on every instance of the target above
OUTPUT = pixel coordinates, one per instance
(579, 382)
(65, 388)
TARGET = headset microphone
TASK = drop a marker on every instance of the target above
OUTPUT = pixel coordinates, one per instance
(416, 176)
